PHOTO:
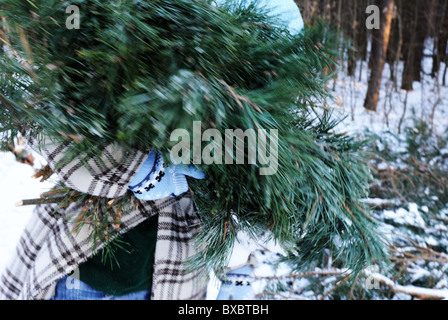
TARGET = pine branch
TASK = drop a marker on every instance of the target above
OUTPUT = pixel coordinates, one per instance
(307, 274)
(8, 106)
(229, 68)
(32, 202)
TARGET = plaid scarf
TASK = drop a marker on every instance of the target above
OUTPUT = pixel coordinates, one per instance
(48, 249)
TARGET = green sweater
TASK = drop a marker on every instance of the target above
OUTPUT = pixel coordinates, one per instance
(131, 268)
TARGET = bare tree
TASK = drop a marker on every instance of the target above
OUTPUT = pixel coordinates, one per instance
(415, 27)
(381, 38)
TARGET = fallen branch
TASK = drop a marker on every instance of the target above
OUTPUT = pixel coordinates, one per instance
(422, 293)
(417, 253)
(379, 203)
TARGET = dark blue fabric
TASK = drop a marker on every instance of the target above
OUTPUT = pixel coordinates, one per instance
(69, 288)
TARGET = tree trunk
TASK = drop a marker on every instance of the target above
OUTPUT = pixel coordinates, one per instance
(421, 34)
(381, 37)
(353, 29)
(411, 19)
(306, 10)
(394, 51)
(440, 36)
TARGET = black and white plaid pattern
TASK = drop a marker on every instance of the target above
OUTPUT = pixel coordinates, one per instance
(48, 249)
(106, 177)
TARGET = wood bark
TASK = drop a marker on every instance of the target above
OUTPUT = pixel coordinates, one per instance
(381, 37)
(440, 35)
(411, 18)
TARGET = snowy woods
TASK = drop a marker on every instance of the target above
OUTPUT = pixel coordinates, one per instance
(392, 31)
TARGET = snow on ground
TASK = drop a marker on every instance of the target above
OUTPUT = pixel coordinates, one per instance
(427, 101)
(16, 183)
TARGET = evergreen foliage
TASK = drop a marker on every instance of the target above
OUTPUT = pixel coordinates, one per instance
(137, 70)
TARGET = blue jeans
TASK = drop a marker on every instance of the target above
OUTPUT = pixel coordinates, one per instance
(69, 288)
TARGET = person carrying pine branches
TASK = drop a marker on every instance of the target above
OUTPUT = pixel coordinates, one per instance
(101, 103)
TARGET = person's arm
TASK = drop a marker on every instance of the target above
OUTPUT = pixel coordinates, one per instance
(108, 178)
